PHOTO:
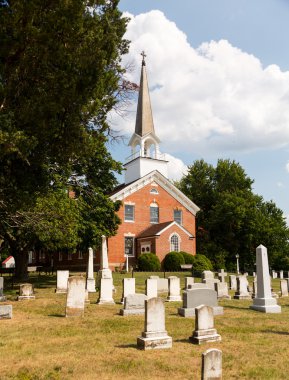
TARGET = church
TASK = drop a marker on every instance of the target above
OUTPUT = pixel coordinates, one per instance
(155, 216)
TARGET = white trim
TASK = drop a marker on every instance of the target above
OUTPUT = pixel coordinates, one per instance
(156, 176)
(176, 224)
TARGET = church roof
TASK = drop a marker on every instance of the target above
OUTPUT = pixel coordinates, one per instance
(158, 229)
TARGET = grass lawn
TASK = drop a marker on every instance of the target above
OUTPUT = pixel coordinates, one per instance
(39, 343)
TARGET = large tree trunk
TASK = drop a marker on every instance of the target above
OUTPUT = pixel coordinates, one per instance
(21, 263)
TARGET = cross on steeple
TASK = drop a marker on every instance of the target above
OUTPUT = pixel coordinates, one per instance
(143, 58)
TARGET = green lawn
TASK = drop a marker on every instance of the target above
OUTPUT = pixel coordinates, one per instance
(39, 343)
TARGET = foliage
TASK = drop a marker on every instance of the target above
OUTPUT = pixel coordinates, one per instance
(189, 259)
(148, 262)
(60, 75)
(173, 260)
(201, 263)
(233, 220)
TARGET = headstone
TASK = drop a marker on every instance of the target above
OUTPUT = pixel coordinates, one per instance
(232, 282)
(284, 288)
(254, 293)
(5, 311)
(198, 285)
(104, 271)
(134, 304)
(2, 297)
(189, 281)
(196, 297)
(154, 335)
(163, 285)
(90, 281)
(174, 289)
(75, 296)
(209, 279)
(26, 292)
(281, 275)
(242, 289)
(204, 326)
(61, 281)
(151, 288)
(222, 290)
(128, 287)
(222, 275)
(212, 364)
(106, 291)
(274, 274)
(254, 274)
(264, 301)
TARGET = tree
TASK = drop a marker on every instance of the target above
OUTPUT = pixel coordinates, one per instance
(60, 75)
(233, 220)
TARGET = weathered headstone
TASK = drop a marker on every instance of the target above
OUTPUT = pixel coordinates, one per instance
(151, 288)
(222, 275)
(198, 285)
(209, 279)
(222, 290)
(274, 274)
(75, 299)
(254, 293)
(264, 301)
(284, 288)
(106, 291)
(174, 289)
(204, 326)
(134, 304)
(26, 292)
(242, 288)
(61, 281)
(189, 281)
(212, 364)
(193, 298)
(2, 297)
(5, 311)
(232, 282)
(154, 335)
(90, 281)
(163, 284)
(281, 275)
(128, 287)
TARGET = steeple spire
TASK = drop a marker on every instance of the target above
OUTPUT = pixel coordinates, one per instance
(144, 119)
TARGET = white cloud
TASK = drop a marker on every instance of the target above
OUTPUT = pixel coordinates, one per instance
(176, 168)
(280, 184)
(210, 100)
(287, 166)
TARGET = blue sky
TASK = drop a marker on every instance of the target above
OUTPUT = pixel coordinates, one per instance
(219, 78)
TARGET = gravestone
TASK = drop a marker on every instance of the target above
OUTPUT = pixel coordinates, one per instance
(222, 275)
(26, 292)
(212, 364)
(254, 293)
(274, 274)
(154, 335)
(198, 285)
(232, 282)
(264, 301)
(242, 289)
(189, 281)
(151, 288)
(90, 281)
(75, 299)
(281, 275)
(209, 279)
(2, 297)
(134, 304)
(106, 291)
(174, 289)
(104, 271)
(5, 311)
(61, 281)
(284, 288)
(128, 287)
(163, 284)
(204, 326)
(222, 290)
(193, 298)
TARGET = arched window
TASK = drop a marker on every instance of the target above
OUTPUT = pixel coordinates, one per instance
(154, 191)
(175, 243)
(154, 213)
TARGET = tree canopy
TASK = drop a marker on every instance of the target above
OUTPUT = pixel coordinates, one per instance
(60, 75)
(233, 220)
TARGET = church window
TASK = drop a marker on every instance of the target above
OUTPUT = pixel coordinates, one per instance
(175, 243)
(178, 216)
(128, 246)
(129, 213)
(154, 191)
(154, 213)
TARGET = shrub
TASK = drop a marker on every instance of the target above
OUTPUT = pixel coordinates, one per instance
(201, 263)
(173, 261)
(149, 262)
(189, 259)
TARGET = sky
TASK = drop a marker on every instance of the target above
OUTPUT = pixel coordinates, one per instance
(218, 74)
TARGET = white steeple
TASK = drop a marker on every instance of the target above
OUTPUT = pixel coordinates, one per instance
(144, 143)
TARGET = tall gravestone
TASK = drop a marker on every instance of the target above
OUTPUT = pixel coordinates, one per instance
(90, 281)
(75, 296)
(281, 274)
(104, 271)
(284, 288)
(232, 282)
(264, 301)
(61, 281)
(174, 289)
(242, 288)
(154, 335)
(2, 297)
(204, 326)
(212, 364)
(128, 287)
(151, 287)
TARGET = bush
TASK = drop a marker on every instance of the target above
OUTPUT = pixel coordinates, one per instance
(148, 262)
(189, 259)
(201, 263)
(173, 261)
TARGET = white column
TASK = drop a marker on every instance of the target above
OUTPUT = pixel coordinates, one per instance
(90, 281)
